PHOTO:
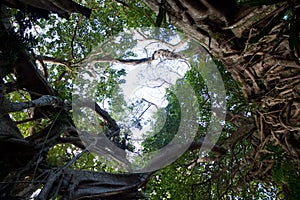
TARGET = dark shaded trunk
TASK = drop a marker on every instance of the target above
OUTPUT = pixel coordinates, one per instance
(259, 46)
(23, 161)
(43, 8)
(256, 45)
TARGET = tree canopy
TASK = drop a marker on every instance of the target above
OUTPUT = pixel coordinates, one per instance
(49, 48)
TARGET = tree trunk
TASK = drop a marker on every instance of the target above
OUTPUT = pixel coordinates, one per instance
(259, 46)
(256, 45)
(23, 161)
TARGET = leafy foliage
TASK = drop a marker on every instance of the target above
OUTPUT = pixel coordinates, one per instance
(60, 47)
(284, 173)
(198, 176)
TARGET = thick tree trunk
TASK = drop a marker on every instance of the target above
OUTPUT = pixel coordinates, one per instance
(254, 44)
(23, 161)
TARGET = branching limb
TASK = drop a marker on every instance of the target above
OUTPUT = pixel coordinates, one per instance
(197, 144)
(51, 60)
(45, 100)
(73, 39)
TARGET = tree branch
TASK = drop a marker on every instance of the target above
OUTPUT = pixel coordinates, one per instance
(197, 144)
(45, 100)
(51, 60)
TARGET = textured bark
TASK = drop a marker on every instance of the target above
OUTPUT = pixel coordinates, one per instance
(45, 100)
(42, 7)
(254, 44)
(23, 158)
(86, 185)
(262, 62)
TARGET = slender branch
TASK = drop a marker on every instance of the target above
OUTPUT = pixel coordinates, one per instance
(105, 115)
(46, 74)
(51, 60)
(27, 120)
(73, 39)
(201, 144)
(160, 53)
(74, 159)
(112, 124)
(61, 76)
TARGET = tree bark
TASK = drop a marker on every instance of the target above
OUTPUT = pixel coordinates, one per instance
(254, 44)
(260, 50)
(22, 158)
(43, 8)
